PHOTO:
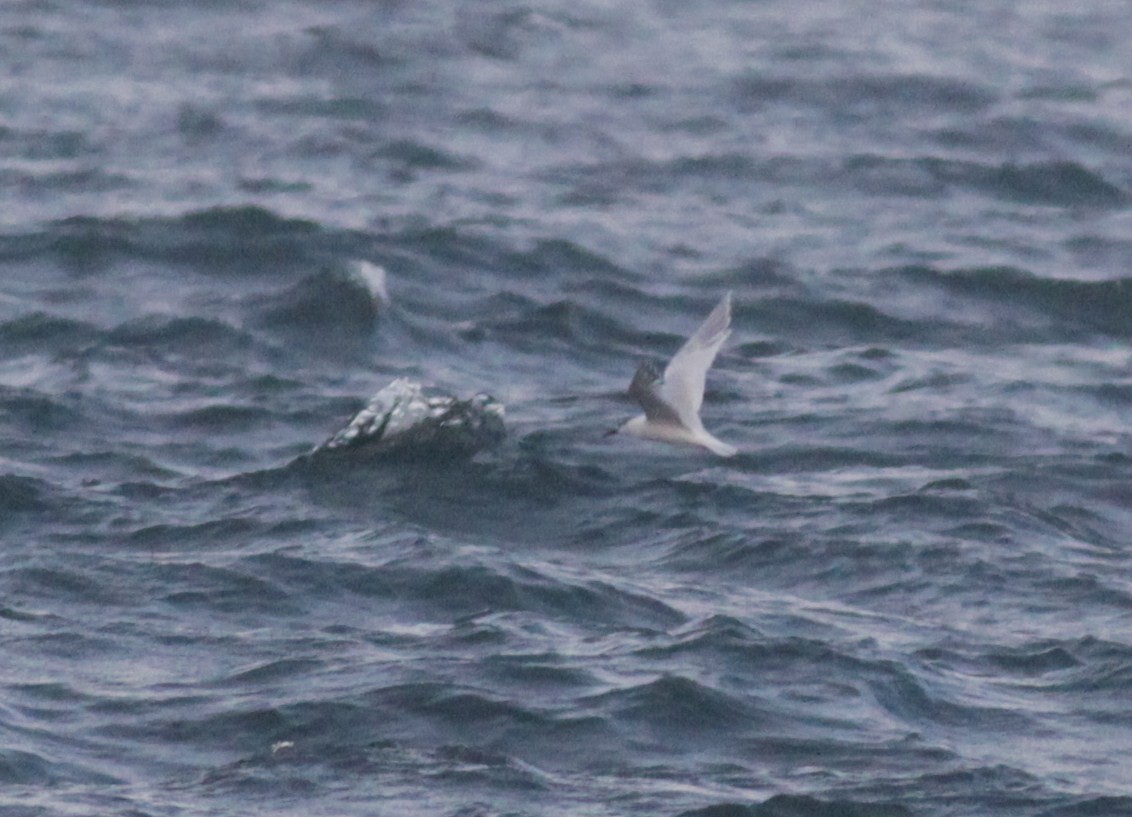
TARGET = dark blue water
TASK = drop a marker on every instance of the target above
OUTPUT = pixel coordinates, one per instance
(909, 594)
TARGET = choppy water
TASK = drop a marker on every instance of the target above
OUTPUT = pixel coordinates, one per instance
(910, 594)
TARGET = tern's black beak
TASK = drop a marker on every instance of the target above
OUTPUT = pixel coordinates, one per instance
(610, 433)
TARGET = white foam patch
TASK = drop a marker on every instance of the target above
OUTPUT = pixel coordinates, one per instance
(374, 277)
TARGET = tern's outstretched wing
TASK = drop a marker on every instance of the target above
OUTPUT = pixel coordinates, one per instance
(683, 388)
(646, 390)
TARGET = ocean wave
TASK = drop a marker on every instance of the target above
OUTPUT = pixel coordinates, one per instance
(440, 590)
(177, 332)
(20, 494)
(1071, 308)
(43, 333)
(37, 412)
(331, 305)
(864, 92)
(23, 768)
(793, 805)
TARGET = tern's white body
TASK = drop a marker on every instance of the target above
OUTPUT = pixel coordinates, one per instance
(672, 402)
(640, 426)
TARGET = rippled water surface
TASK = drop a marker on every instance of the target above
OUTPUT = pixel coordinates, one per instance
(909, 594)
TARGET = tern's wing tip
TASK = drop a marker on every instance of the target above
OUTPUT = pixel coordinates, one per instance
(717, 325)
